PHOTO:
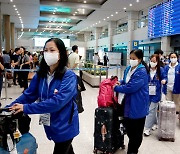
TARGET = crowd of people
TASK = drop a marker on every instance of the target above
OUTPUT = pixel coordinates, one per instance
(55, 88)
(17, 59)
(142, 86)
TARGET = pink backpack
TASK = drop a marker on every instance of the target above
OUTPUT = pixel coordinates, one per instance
(106, 92)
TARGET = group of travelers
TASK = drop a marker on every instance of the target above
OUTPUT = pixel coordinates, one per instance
(142, 86)
(55, 88)
(17, 59)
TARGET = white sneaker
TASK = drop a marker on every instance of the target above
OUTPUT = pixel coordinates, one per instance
(147, 132)
(154, 127)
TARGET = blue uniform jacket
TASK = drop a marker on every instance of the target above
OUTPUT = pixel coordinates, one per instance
(176, 87)
(137, 93)
(64, 122)
(157, 82)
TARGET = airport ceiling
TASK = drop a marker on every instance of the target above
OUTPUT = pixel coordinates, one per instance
(58, 18)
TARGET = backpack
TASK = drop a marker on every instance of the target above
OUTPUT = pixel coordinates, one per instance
(106, 96)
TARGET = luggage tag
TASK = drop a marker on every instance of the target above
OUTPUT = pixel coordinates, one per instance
(44, 119)
(152, 89)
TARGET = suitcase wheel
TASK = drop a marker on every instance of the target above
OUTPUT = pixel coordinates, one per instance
(95, 151)
(123, 147)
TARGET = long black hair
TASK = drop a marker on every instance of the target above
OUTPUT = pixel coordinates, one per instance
(173, 53)
(62, 63)
(157, 66)
(139, 54)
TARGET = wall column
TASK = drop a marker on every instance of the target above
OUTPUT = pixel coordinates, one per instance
(12, 35)
(132, 18)
(111, 27)
(7, 31)
(97, 34)
(165, 45)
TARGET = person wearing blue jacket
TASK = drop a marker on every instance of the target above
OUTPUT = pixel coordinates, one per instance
(55, 88)
(136, 99)
(155, 77)
(172, 88)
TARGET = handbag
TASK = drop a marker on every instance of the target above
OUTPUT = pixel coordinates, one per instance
(9, 75)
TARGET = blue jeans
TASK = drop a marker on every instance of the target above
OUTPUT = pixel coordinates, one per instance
(151, 118)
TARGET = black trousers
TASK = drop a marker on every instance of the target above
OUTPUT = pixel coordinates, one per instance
(23, 79)
(134, 128)
(63, 148)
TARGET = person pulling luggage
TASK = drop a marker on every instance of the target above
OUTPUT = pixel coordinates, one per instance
(55, 87)
(155, 77)
(136, 101)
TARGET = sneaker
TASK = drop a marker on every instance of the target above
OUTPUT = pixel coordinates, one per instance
(154, 127)
(147, 132)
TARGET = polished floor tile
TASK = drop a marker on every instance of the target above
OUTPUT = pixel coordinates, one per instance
(83, 143)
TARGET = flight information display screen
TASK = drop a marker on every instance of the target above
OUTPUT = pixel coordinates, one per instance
(164, 19)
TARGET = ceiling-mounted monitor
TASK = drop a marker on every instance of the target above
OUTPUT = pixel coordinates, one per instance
(164, 19)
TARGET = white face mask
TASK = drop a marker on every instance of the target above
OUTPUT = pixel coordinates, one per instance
(133, 63)
(51, 58)
(173, 60)
(153, 64)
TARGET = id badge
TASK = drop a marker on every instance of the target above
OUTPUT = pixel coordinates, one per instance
(44, 119)
(152, 90)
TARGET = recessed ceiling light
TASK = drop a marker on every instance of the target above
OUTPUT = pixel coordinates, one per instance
(11, 0)
(49, 21)
(14, 5)
(130, 4)
(15, 9)
(104, 19)
(124, 8)
(116, 12)
(74, 14)
(111, 15)
(58, 0)
(29, 30)
(108, 17)
(137, 1)
(19, 17)
(96, 23)
(99, 21)
(85, 2)
(18, 14)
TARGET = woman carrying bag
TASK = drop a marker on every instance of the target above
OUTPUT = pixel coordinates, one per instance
(136, 101)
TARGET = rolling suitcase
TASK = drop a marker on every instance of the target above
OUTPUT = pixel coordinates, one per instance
(26, 145)
(108, 133)
(14, 133)
(167, 121)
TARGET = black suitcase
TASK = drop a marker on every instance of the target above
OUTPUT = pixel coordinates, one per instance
(108, 132)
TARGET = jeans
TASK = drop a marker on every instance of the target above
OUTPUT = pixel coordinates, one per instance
(151, 118)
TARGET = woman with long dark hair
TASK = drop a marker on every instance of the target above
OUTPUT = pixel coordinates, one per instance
(155, 77)
(172, 73)
(136, 101)
(55, 87)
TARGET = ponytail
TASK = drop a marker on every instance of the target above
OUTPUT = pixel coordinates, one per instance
(146, 66)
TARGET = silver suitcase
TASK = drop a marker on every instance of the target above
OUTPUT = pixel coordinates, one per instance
(167, 121)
